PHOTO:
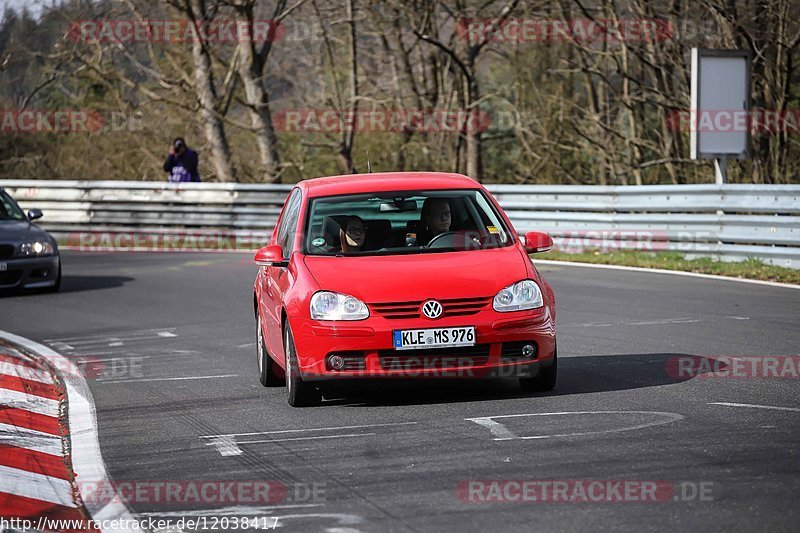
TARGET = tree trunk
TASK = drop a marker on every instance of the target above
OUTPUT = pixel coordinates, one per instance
(260, 115)
(204, 86)
(348, 136)
(473, 133)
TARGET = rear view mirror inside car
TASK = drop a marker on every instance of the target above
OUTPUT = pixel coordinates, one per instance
(399, 205)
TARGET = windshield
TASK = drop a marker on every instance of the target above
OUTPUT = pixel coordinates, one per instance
(9, 210)
(403, 223)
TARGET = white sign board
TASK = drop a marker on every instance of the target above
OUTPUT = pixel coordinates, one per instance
(720, 113)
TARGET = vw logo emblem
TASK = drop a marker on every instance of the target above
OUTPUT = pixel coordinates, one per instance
(432, 309)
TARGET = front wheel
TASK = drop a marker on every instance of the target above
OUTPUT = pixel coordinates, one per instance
(298, 392)
(546, 379)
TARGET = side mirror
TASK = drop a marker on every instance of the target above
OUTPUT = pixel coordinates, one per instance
(33, 214)
(537, 241)
(270, 256)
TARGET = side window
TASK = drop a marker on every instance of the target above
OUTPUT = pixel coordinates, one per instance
(8, 208)
(288, 226)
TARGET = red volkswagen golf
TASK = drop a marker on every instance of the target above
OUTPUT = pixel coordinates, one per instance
(400, 275)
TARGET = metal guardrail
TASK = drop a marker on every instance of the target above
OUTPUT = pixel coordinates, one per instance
(732, 222)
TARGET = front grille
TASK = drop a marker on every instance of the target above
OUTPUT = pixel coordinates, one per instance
(465, 356)
(352, 361)
(451, 307)
(6, 251)
(512, 351)
(10, 277)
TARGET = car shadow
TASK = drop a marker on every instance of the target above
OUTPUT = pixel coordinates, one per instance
(73, 284)
(92, 283)
(576, 375)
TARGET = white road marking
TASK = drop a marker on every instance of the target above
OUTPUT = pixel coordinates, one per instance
(90, 358)
(61, 346)
(36, 486)
(755, 406)
(87, 461)
(315, 437)
(226, 446)
(307, 429)
(665, 321)
(663, 271)
(25, 372)
(497, 429)
(131, 335)
(166, 334)
(29, 402)
(655, 322)
(31, 439)
(142, 380)
(238, 510)
(342, 519)
(505, 434)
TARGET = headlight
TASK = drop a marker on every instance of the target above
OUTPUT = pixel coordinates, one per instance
(524, 294)
(35, 248)
(334, 306)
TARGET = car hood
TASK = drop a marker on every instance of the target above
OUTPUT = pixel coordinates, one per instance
(19, 231)
(419, 276)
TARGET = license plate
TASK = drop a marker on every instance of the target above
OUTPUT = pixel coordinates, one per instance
(3, 267)
(410, 339)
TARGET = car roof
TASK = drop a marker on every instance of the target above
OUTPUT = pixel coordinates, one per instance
(386, 181)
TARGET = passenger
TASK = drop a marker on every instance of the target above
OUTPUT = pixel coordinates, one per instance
(353, 234)
(436, 217)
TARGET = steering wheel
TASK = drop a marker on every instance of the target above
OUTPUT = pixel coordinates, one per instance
(444, 240)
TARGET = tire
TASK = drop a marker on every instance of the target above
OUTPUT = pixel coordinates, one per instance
(298, 392)
(546, 379)
(267, 369)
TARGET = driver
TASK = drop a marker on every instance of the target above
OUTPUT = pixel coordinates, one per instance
(436, 218)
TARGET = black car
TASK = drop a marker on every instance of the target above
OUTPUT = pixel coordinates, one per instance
(29, 257)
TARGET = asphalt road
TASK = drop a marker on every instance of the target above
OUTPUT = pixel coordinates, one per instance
(171, 348)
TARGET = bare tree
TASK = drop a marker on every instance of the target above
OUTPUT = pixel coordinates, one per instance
(205, 87)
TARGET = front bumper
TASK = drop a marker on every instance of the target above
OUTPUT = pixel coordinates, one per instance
(29, 273)
(367, 344)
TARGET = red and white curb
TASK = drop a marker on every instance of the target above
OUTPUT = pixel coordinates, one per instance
(50, 461)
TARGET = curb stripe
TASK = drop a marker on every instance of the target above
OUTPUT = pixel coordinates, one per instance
(17, 360)
(16, 368)
(29, 420)
(33, 461)
(36, 486)
(31, 440)
(29, 402)
(36, 388)
(13, 506)
(86, 458)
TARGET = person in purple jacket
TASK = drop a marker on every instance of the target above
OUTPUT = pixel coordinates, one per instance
(181, 162)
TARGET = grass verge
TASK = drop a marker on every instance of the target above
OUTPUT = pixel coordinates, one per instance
(749, 269)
